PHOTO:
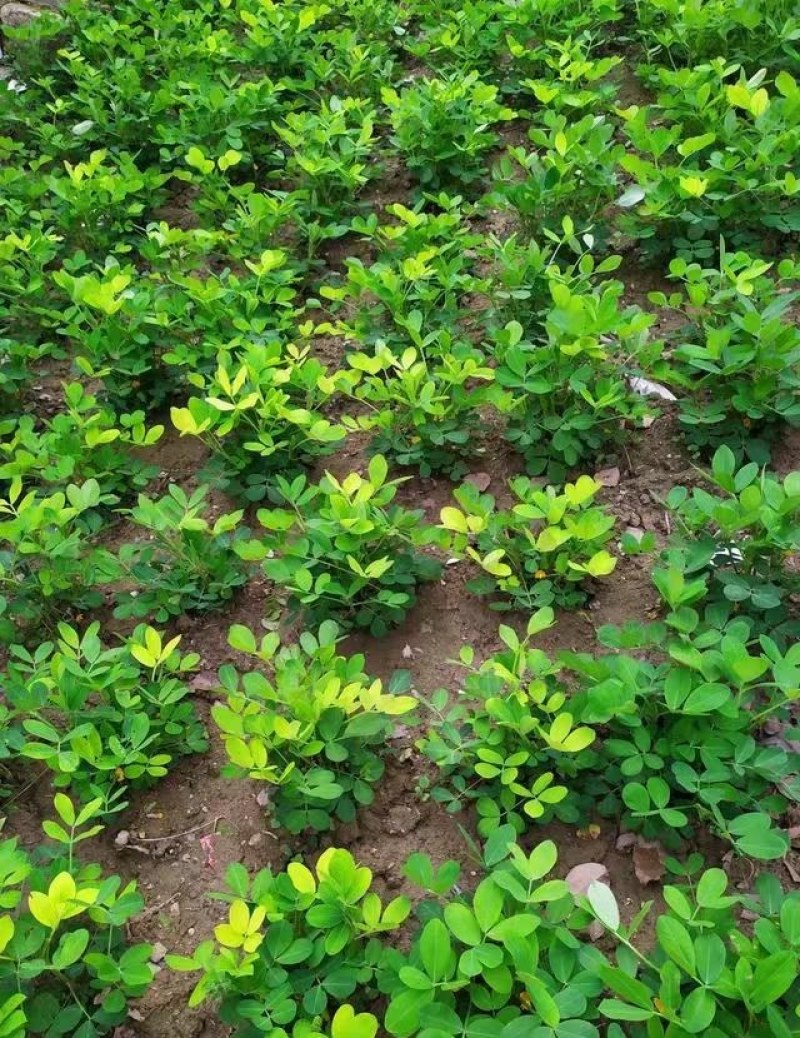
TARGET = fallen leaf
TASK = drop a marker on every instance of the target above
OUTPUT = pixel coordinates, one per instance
(791, 870)
(481, 480)
(591, 832)
(205, 681)
(608, 477)
(581, 877)
(647, 863)
(625, 841)
(207, 843)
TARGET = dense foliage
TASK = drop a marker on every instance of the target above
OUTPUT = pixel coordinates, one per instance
(278, 281)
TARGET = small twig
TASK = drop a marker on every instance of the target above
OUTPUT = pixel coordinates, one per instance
(27, 786)
(628, 459)
(667, 523)
(177, 836)
(157, 908)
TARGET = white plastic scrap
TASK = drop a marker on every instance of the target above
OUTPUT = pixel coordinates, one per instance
(644, 387)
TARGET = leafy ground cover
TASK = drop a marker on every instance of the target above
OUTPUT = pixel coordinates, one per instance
(400, 519)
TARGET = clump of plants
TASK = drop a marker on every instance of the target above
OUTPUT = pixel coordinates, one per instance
(419, 283)
(188, 563)
(425, 402)
(261, 413)
(341, 549)
(85, 441)
(507, 952)
(573, 79)
(703, 729)
(684, 741)
(48, 557)
(570, 397)
(108, 315)
(507, 741)
(444, 126)
(736, 545)
(539, 552)
(328, 152)
(311, 723)
(687, 33)
(712, 158)
(571, 172)
(738, 356)
(65, 965)
(102, 720)
(297, 947)
(514, 953)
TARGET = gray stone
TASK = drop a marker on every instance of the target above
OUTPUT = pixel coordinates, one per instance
(14, 14)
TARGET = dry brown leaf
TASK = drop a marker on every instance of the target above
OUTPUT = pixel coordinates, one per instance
(647, 863)
(205, 681)
(480, 480)
(608, 477)
(581, 877)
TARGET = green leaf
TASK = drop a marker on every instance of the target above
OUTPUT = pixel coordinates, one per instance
(436, 950)
(415, 979)
(70, 948)
(697, 1011)
(487, 904)
(613, 1009)
(694, 144)
(772, 978)
(711, 888)
(753, 835)
(626, 986)
(55, 831)
(404, 1012)
(675, 940)
(709, 951)
(462, 923)
(542, 1000)
(66, 811)
(242, 639)
(453, 519)
(723, 467)
(378, 470)
(604, 905)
